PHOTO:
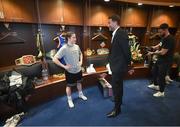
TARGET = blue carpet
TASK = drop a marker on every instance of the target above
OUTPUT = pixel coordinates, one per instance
(139, 108)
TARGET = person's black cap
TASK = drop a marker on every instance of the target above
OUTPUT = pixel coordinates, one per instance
(164, 26)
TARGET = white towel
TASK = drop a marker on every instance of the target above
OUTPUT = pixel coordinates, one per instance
(90, 69)
(15, 80)
(109, 69)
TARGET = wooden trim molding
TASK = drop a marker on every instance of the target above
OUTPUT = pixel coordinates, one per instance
(153, 2)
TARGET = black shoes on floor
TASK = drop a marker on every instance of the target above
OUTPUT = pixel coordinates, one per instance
(115, 112)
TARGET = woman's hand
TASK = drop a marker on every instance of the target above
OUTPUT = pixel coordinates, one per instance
(80, 63)
(67, 67)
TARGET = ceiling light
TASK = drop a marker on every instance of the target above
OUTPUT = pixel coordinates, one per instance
(106, 0)
(171, 5)
(139, 4)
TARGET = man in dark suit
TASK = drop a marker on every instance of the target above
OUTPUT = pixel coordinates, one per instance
(120, 61)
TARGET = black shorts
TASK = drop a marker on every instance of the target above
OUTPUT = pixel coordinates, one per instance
(73, 79)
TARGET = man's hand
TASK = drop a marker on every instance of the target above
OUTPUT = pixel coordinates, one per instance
(131, 68)
(153, 47)
(179, 74)
(67, 67)
(131, 71)
(149, 53)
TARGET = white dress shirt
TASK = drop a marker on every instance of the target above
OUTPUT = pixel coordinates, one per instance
(114, 32)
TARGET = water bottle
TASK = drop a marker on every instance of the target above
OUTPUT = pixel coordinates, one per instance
(45, 74)
(146, 63)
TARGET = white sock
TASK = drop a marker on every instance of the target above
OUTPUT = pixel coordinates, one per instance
(69, 97)
(70, 102)
(81, 95)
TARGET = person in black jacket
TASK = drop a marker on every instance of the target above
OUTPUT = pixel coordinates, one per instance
(119, 60)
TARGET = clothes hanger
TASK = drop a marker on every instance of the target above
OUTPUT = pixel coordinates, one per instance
(13, 39)
(99, 35)
(11, 35)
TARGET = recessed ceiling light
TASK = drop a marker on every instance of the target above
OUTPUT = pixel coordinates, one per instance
(106, 0)
(139, 4)
(171, 5)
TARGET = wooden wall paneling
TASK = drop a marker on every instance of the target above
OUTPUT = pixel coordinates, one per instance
(95, 18)
(127, 17)
(140, 17)
(99, 13)
(49, 12)
(176, 1)
(12, 10)
(108, 10)
(165, 15)
(133, 17)
(148, 28)
(18, 11)
(61, 12)
(96, 14)
(154, 2)
(73, 14)
(1, 12)
(29, 12)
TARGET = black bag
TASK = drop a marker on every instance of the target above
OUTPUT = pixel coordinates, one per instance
(4, 88)
(13, 95)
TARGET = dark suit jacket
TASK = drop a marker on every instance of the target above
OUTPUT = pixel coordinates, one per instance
(120, 55)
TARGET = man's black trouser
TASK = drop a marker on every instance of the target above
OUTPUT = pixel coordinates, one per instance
(117, 86)
(159, 73)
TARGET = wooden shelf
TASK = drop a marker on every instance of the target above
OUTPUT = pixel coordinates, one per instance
(93, 56)
(51, 80)
(9, 68)
(54, 80)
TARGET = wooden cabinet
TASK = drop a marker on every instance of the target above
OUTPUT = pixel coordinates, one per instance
(29, 13)
(61, 12)
(164, 16)
(49, 12)
(99, 13)
(73, 12)
(133, 17)
(95, 16)
(18, 11)
(12, 11)
(1, 12)
(108, 11)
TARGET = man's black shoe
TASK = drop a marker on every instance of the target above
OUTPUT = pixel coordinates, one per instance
(114, 113)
